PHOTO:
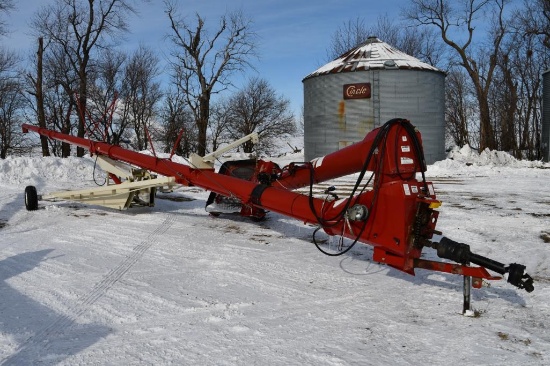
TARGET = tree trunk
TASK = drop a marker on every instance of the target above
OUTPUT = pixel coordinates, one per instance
(486, 133)
(66, 147)
(508, 131)
(202, 123)
(82, 99)
(40, 98)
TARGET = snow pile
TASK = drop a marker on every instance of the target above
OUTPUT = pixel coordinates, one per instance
(487, 157)
(35, 171)
(467, 161)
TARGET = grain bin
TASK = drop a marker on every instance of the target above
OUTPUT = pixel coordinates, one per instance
(366, 87)
(545, 137)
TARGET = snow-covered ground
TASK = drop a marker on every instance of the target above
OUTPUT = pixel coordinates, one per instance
(171, 285)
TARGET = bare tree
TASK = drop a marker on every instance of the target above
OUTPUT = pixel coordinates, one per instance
(457, 18)
(47, 88)
(204, 62)
(522, 62)
(422, 43)
(38, 92)
(11, 103)
(141, 93)
(219, 123)
(79, 27)
(10, 93)
(460, 109)
(534, 19)
(59, 110)
(503, 99)
(258, 108)
(529, 59)
(105, 83)
(51, 91)
(178, 124)
(59, 101)
(5, 7)
(347, 36)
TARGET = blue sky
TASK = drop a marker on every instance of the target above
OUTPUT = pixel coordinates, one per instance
(293, 34)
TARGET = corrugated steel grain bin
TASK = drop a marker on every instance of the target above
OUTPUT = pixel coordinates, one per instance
(366, 87)
(545, 137)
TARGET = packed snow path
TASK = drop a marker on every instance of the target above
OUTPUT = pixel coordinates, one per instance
(172, 285)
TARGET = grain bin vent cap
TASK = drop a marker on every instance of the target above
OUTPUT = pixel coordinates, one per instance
(372, 55)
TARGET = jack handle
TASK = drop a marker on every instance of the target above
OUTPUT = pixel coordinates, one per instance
(460, 253)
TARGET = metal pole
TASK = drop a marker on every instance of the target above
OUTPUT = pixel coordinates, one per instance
(467, 297)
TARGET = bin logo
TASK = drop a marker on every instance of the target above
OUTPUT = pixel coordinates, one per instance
(357, 91)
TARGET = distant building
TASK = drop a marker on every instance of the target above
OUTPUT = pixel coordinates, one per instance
(366, 87)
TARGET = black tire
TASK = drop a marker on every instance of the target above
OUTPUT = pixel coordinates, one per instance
(31, 198)
(258, 218)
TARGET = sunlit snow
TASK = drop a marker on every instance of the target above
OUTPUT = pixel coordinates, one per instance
(172, 285)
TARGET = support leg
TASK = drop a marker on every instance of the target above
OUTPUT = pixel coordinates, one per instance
(467, 294)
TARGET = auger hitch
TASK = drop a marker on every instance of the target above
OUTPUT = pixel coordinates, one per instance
(460, 253)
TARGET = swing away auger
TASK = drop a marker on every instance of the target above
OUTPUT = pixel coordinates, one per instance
(391, 206)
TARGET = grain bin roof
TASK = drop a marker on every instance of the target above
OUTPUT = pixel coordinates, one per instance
(372, 55)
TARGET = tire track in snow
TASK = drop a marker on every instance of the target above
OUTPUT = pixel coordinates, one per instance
(41, 338)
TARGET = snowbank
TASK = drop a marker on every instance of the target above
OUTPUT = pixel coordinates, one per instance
(466, 161)
(37, 170)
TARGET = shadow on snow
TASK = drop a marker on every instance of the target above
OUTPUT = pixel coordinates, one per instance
(39, 333)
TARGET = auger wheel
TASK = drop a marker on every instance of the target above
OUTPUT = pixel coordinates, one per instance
(31, 198)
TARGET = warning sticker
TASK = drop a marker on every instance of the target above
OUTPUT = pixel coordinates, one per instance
(318, 162)
(414, 189)
(405, 148)
(406, 189)
(406, 161)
